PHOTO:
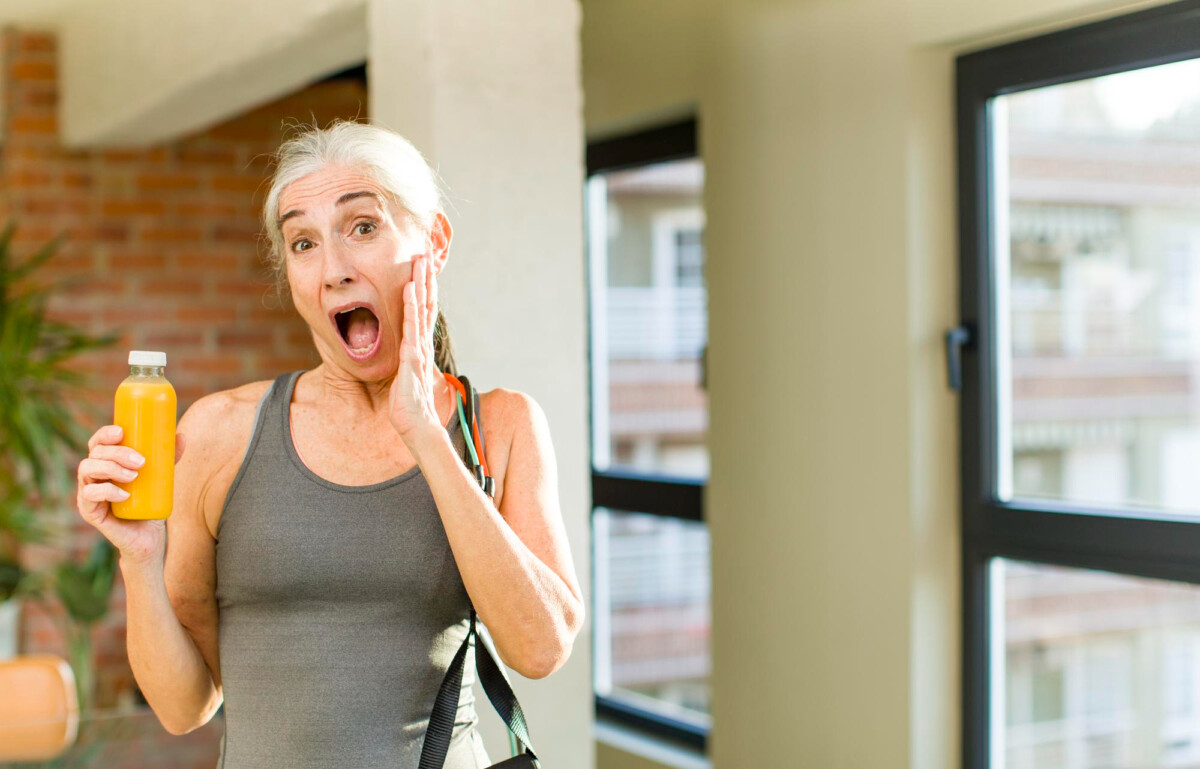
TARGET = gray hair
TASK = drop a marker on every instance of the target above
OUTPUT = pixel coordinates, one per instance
(389, 159)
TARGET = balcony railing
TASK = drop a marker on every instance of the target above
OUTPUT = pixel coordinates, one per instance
(668, 323)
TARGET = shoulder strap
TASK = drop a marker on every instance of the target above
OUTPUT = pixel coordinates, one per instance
(499, 692)
(470, 420)
(491, 675)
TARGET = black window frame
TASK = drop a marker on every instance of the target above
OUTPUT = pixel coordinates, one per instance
(622, 490)
(1134, 543)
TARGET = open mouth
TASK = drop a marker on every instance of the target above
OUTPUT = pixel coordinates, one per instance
(359, 328)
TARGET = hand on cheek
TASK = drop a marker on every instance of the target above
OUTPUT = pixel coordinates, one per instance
(412, 402)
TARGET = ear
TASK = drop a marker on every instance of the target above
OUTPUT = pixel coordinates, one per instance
(439, 242)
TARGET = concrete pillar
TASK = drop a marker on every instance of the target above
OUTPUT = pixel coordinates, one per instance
(491, 93)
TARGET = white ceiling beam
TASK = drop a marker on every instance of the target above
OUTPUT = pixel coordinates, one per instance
(133, 73)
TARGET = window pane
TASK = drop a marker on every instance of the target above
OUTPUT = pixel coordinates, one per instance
(1097, 226)
(1099, 670)
(652, 613)
(649, 319)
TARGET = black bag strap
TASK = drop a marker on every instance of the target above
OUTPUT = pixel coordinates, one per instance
(491, 675)
(499, 692)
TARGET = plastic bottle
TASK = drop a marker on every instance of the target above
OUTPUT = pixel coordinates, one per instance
(144, 408)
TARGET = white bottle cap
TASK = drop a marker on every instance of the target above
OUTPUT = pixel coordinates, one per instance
(147, 358)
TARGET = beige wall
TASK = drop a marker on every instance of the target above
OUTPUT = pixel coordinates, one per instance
(828, 136)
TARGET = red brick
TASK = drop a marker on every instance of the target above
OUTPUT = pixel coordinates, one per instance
(105, 232)
(243, 130)
(29, 42)
(244, 338)
(28, 232)
(234, 183)
(37, 153)
(248, 288)
(186, 393)
(259, 162)
(201, 209)
(280, 364)
(170, 234)
(210, 364)
(31, 69)
(133, 207)
(55, 206)
(34, 124)
(270, 313)
(126, 315)
(209, 263)
(29, 177)
(151, 156)
(160, 286)
(244, 233)
(38, 97)
(137, 261)
(219, 156)
(300, 337)
(207, 314)
(167, 181)
(165, 339)
(76, 179)
(81, 318)
(69, 262)
(96, 287)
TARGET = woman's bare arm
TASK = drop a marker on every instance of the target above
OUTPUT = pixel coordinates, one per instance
(515, 561)
(171, 606)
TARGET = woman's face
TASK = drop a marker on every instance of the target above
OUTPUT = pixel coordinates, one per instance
(348, 255)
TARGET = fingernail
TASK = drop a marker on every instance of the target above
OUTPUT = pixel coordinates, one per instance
(137, 459)
(124, 494)
(131, 474)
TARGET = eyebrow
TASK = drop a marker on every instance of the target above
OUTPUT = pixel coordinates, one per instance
(343, 199)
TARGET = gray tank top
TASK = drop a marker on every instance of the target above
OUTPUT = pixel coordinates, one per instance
(340, 610)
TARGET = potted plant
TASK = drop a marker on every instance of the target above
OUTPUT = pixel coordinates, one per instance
(84, 589)
(39, 431)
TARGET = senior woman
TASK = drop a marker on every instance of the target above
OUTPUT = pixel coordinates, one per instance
(324, 520)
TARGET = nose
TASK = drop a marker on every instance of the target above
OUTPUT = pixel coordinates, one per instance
(336, 269)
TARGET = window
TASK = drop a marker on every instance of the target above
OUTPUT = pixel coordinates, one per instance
(1079, 174)
(649, 422)
(1098, 668)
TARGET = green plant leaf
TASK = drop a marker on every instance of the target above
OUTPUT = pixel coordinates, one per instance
(39, 432)
(32, 263)
(84, 588)
(11, 575)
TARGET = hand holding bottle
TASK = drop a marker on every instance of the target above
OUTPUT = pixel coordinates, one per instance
(141, 541)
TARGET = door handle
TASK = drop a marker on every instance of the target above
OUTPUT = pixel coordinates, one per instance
(957, 339)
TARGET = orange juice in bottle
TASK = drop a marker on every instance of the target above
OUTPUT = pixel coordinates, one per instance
(145, 410)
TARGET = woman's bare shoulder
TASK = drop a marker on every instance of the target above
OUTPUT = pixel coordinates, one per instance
(220, 413)
(216, 430)
(503, 411)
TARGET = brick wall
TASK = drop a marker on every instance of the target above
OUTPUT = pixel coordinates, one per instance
(169, 247)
